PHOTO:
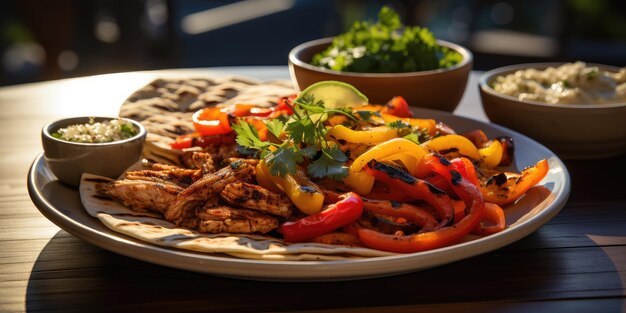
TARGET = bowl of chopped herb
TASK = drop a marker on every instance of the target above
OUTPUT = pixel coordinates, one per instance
(98, 145)
(386, 59)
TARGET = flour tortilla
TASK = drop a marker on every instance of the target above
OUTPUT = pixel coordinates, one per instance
(152, 228)
(164, 107)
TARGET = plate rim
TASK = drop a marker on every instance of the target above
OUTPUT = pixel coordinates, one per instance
(302, 270)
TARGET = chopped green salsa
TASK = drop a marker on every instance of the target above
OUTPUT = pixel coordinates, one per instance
(97, 132)
(385, 46)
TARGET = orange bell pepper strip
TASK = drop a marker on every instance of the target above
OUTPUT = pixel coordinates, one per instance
(442, 237)
(493, 220)
(505, 188)
(211, 121)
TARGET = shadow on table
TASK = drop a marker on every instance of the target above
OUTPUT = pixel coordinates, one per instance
(72, 275)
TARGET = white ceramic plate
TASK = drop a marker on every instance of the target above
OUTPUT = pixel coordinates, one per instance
(61, 204)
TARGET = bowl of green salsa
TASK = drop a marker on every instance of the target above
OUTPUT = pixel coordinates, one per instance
(385, 58)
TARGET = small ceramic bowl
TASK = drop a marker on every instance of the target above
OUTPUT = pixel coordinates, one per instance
(69, 160)
(573, 131)
(439, 89)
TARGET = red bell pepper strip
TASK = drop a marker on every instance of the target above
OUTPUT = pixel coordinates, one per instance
(285, 104)
(410, 212)
(347, 210)
(399, 107)
(211, 121)
(466, 168)
(241, 110)
(445, 236)
(414, 188)
(384, 192)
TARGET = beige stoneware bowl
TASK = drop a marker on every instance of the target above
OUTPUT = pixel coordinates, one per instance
(573, 131)
(439, 89)
(69, 160)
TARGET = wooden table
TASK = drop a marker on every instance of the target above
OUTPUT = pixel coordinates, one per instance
(575, 263)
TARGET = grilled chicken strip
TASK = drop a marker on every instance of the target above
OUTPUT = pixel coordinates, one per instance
(256, 198)
(209, 186)
(224, 219)
(140, 195)
(204, 161)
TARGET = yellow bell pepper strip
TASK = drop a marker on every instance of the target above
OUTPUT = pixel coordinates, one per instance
(457, 143)
(367, 137)
(361, 182)
(263, 177)
(388, 149)
(408, 160)
(445, 236)
(491, 154)
(428, 124)
(414, 188)
(304, 194)
(505, 188)
(345, 211)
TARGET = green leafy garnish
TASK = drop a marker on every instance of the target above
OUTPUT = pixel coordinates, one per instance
(248, 137)
(275, 127)
(305, 144)
(330, 164)
(399, 124)
(367, 115)
(284, 160)
(385, 46)
(128, 130)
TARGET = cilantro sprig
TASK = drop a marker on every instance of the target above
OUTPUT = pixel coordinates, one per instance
(304, 144)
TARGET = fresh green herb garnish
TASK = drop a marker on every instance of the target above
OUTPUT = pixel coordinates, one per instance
(367, 115)
(128, 129)
(399, 124)
(386, 46)
(305, 143)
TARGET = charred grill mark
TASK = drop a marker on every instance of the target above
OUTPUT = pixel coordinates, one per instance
(456, 177)
(392, 171)
(307, 189)
(500, 179)
(443, 160)
(434, 190)
(451, 150)
(256, 195)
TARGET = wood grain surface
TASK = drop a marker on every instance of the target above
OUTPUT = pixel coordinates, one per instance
(575, 263)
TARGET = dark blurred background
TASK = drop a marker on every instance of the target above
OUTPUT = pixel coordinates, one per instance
(52, 39)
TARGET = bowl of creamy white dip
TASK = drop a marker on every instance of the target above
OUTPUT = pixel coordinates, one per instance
(98, 145)
(576, 109)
